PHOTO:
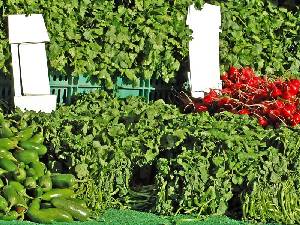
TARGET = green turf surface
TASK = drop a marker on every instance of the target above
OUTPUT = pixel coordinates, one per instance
(129, 217)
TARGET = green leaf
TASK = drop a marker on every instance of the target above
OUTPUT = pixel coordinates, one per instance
(81, 171)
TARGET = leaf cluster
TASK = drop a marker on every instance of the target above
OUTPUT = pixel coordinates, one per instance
(141, 39)
(149, 39)
(199, 164)
(260, 34)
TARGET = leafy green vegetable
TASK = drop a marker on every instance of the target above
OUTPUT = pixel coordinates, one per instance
(109, 38)
(150, 157)
(149, 39)
(274, 202)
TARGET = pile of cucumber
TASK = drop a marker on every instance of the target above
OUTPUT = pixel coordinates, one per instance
(28, 191)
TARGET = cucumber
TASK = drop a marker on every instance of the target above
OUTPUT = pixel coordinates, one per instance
(8, 165)
(39, 148)
(27, 156)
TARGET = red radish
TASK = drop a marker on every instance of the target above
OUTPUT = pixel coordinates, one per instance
(263, 122)
(293, 88)
(245, 93)
(279, 104)
(223, 101)
(291, 108)
(286, 113)
(250, 100)
(288, 110)
(295, 82)
(288, 95)
(238, 85)
(276, 92)
(228, 84)
(274, 114)
(208, 100)
(213, 93)
(253, 82)
(224, 77)
(263, 93)
(244, 112)
(200, 108)
(226, 91)
(247, 72)
(296, 118)
(278, 83)
(233, 71)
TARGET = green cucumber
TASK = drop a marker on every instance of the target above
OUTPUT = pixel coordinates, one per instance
(48, 215)
(5, 130)
(26, 156)
(7, 144)
(39, 168)
(3, 204)
(63, 180)
(7, 155)
(77, 211)
(55, 193)
(8, 165)
(26, 133)
(45, 183)
(39, 148)
(37, 138)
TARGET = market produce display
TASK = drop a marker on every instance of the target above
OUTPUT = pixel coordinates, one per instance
(274, 202)
(261, 35)
(28, 190)
(153, 158)
(149, 39)
(272, 102)
(238, 156)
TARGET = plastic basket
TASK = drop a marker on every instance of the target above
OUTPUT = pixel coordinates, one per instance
(64, 87)
(149, 89)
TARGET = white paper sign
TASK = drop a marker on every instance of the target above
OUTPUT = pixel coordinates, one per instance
(27, 29)
(204, 49)
(34, 69)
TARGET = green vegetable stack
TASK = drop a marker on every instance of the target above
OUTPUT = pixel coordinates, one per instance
(27, 189)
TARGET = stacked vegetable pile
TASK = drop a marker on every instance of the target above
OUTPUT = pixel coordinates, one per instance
(27, 189)
(272, 102)
(151, 157)
(149, 39)
(278, 202)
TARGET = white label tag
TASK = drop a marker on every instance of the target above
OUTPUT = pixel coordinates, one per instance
(204, 49)
(34, 69)
(27, 29)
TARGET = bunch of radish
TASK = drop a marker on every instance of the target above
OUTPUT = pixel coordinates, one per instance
(272, 102)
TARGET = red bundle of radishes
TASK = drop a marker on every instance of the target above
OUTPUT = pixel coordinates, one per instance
(272, 102)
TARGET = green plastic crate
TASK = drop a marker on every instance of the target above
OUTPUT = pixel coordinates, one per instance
(149, 89)
(66, 86)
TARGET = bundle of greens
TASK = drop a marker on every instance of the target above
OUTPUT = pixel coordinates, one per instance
(151, 157)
